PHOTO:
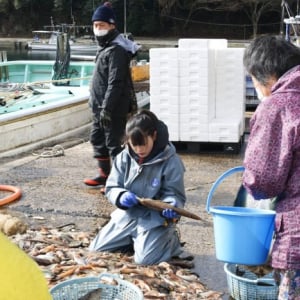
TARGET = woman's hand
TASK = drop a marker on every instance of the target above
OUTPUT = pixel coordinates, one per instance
(170, 213)
(128, 199)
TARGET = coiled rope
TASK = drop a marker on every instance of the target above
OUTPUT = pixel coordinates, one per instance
(55, 151)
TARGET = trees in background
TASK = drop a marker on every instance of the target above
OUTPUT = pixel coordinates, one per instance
(147, 17)
(234, 12)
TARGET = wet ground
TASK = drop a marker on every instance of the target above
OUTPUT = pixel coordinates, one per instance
(54, 195)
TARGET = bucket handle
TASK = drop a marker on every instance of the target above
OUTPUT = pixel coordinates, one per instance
(218, 181)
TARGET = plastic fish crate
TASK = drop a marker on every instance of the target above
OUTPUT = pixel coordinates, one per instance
(73, 289)
(245, 285)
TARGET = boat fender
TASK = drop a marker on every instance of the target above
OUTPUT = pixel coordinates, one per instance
(17, 193)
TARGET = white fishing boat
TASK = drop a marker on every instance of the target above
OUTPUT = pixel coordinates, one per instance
(36, 108)
(47, 40)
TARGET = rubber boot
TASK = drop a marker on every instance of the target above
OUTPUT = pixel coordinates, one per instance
(104, 170)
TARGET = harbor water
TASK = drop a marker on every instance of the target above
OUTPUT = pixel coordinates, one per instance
(18, 52)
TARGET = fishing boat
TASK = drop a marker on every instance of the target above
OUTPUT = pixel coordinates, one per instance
(291, 24)
(47, 40)
(37, 107)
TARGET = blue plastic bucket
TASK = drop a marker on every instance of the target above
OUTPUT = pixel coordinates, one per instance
(242, 235)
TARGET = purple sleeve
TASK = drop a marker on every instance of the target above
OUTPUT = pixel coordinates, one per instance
(268, 154)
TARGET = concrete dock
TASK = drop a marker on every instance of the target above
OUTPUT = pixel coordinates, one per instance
(53, 194)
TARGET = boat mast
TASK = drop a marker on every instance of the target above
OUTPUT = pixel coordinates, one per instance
(52, 24)
(125, 19)
(282, 19)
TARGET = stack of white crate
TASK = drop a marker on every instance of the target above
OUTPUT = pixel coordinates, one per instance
(198, 89)
(228, 124)
(164, 88)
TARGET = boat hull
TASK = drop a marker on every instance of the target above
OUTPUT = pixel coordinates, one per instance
(53, 47)
(33, 129)
(48, 113)
(45, 113)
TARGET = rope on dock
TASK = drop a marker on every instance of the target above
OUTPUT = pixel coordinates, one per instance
(55, 151)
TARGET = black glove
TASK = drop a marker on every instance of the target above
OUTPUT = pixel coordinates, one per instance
(105, 118)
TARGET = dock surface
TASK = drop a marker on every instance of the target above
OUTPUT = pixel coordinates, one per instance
(54, 195)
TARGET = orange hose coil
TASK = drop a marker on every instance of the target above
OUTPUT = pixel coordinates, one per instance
(10, 198)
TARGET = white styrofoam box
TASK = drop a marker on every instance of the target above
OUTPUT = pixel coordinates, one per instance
(232, 107)
(200, 65)
(164, 81)
(193, 43)
(234, 73)
(163, 53)
(160, 104)
(195, 73)
(196, 128)
(198, 69)
(164, 63)
(164, 100)
(171, 120)
(196, 59)
(164, 72)
(198, 107)
(167, 109)
(231, 91)
(195, 109)
(193, 120)
(193, 136)
(193, 81)
(193, 54)
(195, 92)
(172, 128)
(193, 102)
(230, 83)
(230, 97)
(202, 43)
(157, 90)
(174, 136)
(230, 55)
(218, 43)
(225, 130)
(231, 113)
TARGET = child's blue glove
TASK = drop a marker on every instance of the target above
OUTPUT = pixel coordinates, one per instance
(170, 213)
(128, 199)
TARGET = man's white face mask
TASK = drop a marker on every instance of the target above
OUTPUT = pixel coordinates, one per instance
(100, 32)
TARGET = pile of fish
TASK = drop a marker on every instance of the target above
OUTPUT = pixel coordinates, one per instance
(62, 254)
(11, 92)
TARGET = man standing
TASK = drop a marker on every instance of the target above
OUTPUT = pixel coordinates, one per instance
(112, 95)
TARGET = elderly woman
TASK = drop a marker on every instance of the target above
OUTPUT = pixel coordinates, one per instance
(272, 158)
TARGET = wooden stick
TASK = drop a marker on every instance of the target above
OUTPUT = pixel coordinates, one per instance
(160, 206)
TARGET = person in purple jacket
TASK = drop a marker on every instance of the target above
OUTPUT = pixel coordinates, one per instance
(272, 157)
